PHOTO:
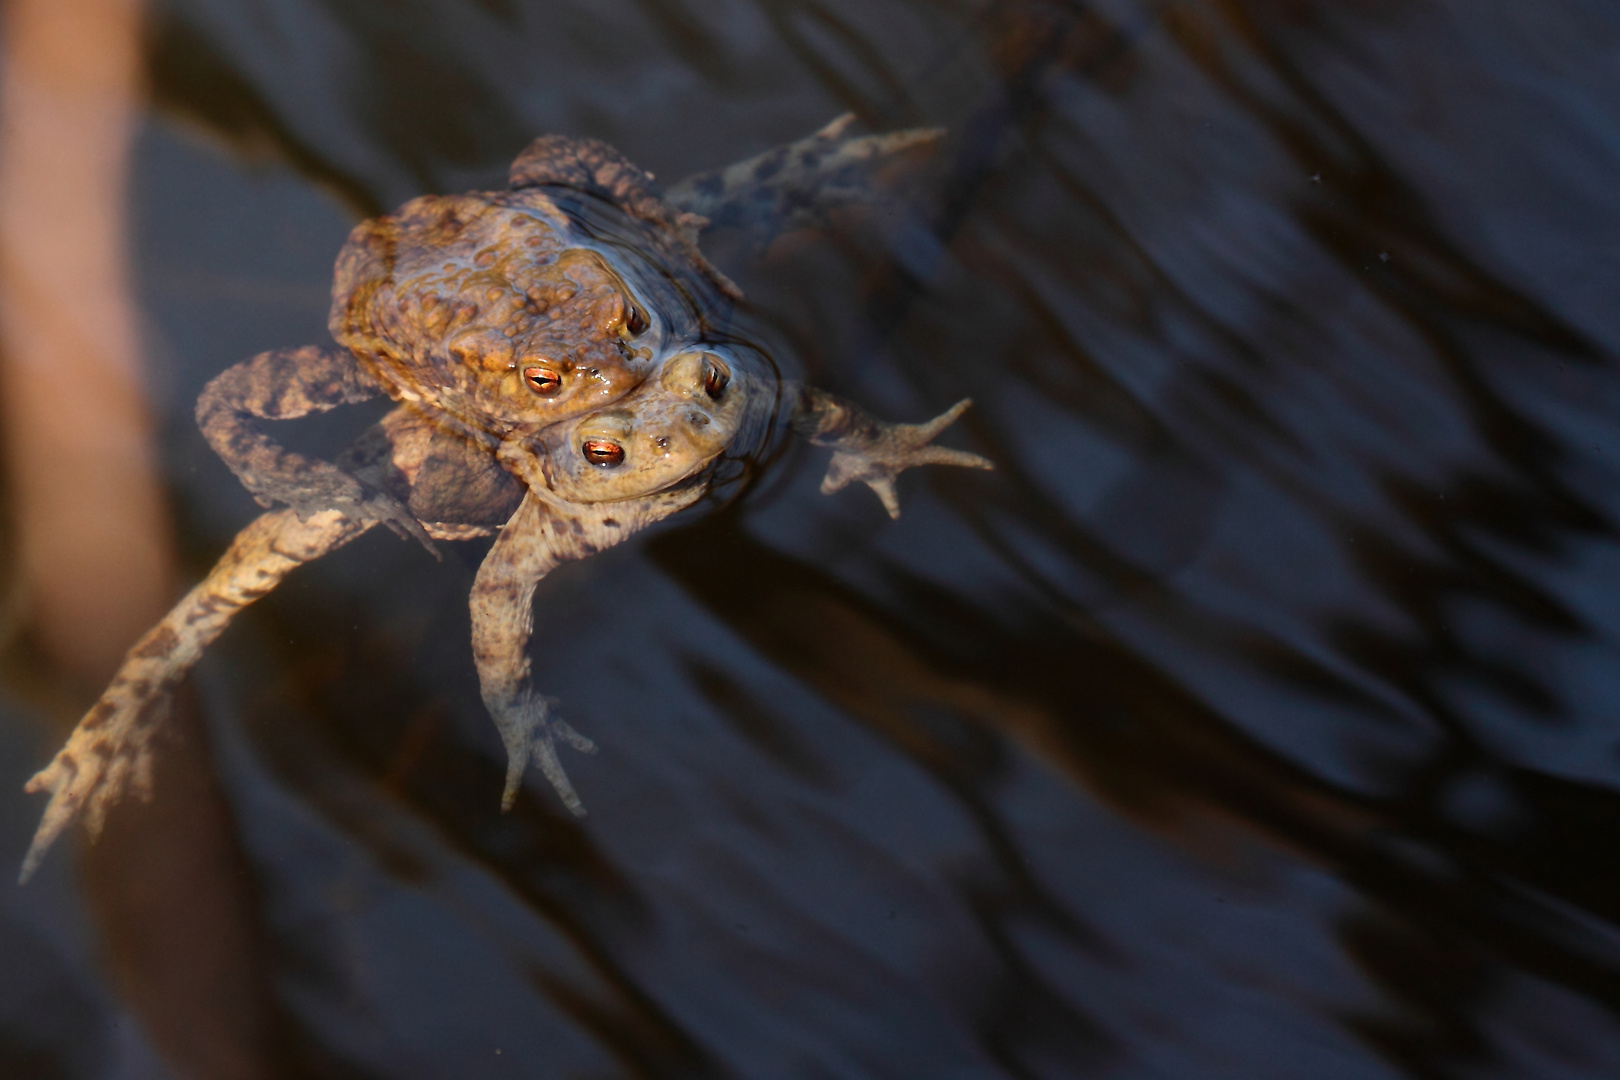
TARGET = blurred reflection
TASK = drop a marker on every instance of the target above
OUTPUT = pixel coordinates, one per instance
(1256, 719)
(94, 548)
(93, 534)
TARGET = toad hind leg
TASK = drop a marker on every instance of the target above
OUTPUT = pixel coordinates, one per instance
(541, 536)
(111, 750)
(284, 384)
(874, 451)
(799, 185)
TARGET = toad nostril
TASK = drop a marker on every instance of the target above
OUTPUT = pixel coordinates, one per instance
(697, 419)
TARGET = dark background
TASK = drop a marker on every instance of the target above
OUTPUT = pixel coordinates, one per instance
(1256, 718)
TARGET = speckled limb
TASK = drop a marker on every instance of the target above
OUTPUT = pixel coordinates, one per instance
(281, 385)
(540, 537)
(871, 450)
(110, 752)
(798, 185)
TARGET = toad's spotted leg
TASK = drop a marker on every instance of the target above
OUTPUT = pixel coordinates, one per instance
(541, 536)
(284, 384)
(799, 185)
(111, 749)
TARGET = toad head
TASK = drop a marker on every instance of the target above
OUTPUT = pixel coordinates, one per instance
(698, 405)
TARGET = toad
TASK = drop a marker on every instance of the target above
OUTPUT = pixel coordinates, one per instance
(565, 376)
(493, 314)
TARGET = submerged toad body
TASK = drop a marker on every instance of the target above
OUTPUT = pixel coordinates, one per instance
(560, 355)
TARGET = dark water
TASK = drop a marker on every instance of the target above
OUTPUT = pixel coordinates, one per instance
(1257, 718)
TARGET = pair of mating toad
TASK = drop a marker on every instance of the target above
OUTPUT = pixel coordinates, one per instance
(565, 377)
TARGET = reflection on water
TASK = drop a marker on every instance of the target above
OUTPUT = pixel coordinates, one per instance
(1254, 719)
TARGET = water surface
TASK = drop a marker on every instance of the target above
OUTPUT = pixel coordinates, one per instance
(1256, 718)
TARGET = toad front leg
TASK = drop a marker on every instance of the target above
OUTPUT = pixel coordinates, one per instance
(874, 451)
(542, 535)
(284, 384)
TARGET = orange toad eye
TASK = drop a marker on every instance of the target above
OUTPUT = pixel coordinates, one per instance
(542, 381)
(635, 320)
(715, 378)
(603, 452)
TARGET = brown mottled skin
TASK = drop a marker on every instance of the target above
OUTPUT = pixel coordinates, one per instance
(565, 379)
(455, 303)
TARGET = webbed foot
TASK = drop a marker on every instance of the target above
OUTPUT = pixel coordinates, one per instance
(880, 455)
(531, 734)
(108, 755)
(111, 752)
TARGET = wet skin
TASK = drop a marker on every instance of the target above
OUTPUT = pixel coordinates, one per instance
(497, 312)
(565, 379)
(494, 314)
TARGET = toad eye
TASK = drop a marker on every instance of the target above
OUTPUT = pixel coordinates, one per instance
(542, 381)
(635, 320)
(603, 452)
(715, 378)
